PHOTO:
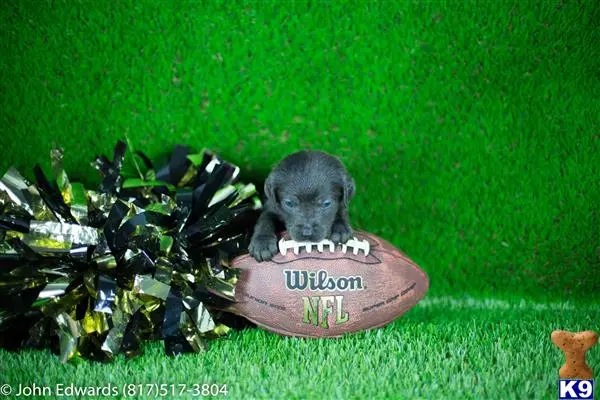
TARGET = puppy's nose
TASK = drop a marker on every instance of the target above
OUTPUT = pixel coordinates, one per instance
(307, 230)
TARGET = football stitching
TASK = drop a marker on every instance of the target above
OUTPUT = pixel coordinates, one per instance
(374, 246)
(354, 243)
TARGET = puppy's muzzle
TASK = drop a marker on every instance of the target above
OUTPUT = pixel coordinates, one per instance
(307, 230)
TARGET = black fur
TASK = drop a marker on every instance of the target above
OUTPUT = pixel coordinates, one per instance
(309, 192)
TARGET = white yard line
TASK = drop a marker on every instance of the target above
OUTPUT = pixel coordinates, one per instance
(487, 304)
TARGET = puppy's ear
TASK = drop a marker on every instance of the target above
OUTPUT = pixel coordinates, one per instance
(271, 188)
(348, 188)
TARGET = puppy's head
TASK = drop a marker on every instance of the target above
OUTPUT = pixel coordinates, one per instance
(306, 190)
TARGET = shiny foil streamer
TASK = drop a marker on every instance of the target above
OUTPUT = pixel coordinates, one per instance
(94, 273)
(68, 233)
(15, 186)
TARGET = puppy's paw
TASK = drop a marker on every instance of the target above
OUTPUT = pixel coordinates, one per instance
(340, 232)
(263, 247)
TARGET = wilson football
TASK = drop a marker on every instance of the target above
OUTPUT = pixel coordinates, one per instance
(324, 290)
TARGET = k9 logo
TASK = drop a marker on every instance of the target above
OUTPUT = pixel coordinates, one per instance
(575, 389)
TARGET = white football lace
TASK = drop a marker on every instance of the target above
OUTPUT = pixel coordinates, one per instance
(355, 244)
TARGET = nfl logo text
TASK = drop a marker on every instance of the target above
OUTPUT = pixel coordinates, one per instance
(575, 389)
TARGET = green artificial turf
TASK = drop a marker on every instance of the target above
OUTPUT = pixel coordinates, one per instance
(472, 129)
(445, 348)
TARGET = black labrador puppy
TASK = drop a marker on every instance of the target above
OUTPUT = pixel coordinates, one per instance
(309, 192)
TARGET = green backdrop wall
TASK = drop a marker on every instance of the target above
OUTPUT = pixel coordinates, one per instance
(471, 128)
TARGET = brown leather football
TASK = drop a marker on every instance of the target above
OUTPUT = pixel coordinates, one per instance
(324, 290)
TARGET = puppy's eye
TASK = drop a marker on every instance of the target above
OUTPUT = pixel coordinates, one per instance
(326, 204)
(289, 203)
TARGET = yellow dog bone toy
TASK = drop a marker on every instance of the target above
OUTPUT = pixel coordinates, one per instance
(574, 345)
